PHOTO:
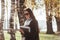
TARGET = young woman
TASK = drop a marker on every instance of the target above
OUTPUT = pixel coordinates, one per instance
(33, 24)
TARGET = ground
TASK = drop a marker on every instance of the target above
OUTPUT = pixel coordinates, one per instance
(41, 35)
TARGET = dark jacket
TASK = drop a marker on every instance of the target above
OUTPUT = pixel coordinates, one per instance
(34, 33)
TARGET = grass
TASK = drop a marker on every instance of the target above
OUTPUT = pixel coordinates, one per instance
(49, 37)
(7, 36)
(41, 35)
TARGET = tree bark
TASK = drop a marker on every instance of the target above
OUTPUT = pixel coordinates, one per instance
(11, 30)
(1, 21)
(49, 17)
(21, 7)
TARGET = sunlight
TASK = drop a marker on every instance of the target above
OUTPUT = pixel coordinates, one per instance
(9, 9)
(16, 19)
(40, 15)
(7, 13)
(54, 24)
(0, 9)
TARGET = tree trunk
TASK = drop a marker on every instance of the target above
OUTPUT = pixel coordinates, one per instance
(58, 24)
(58, 15)
(1, 31)
(1, 21)
(20, 11)
(49, 17)
(11, 28)
(49, 26)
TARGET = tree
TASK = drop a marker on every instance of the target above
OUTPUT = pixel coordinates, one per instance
(48, 4)
(11, 30)
(21, 7)
(1, 22)
(57, 6)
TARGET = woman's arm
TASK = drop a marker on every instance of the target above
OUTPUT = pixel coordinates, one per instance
(22, 32)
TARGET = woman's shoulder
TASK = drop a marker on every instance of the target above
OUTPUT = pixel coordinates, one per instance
(34, 21)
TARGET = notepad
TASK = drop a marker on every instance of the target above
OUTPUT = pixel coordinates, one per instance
(25, 28)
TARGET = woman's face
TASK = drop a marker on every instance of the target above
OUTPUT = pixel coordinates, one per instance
(26, 14)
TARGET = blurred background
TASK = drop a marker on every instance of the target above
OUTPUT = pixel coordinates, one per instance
(46, 12)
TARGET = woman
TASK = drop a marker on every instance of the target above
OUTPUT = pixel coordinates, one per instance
(32, 23)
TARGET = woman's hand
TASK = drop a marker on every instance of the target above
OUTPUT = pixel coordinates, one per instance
(21, 31)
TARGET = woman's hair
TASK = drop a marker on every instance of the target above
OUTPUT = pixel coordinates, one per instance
(31, 13)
